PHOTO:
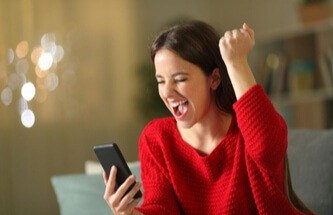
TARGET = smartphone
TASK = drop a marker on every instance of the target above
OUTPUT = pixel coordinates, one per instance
(110, 155)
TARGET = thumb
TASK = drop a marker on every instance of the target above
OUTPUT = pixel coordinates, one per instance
(249, 30)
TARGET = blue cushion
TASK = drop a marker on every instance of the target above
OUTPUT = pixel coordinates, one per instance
(83, 194)
(80, 194)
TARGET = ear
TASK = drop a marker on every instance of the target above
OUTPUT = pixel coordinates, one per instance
(215, 79)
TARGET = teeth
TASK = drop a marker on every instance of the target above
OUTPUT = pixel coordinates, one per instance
(174, 105)
(182, 102)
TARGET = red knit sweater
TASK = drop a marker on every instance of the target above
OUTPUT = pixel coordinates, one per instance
(243, 175)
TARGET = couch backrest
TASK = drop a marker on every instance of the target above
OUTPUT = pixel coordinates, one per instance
(310, 154)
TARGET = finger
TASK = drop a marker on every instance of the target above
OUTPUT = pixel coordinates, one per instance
(111, 182)
(105, 177)
(130, 195)
(227, 34)
(130, 207)
(124, 187)
(133, 204)
(249, 30)
(235, 32)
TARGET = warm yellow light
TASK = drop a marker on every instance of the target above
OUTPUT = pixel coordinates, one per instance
(22, 49)
(35, 54)
(40, 73)
(44, 60)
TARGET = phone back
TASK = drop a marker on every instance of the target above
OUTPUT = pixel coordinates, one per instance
(109, 155)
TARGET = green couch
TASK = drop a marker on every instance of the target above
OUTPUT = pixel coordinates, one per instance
(310, 154)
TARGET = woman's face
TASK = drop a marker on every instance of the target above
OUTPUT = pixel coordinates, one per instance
(184, 88)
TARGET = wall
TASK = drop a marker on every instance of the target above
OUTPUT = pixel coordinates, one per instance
(262, 15)
(90, 106)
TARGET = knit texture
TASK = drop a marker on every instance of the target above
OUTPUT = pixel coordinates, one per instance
(243, 175)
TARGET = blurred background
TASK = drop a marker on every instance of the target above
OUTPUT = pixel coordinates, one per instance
(76, 73)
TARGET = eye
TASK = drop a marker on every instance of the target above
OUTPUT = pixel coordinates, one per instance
(179, 80)
(160, 81)
(180, 77)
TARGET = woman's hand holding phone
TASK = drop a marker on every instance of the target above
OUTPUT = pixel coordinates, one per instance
(120, 201)
(122, 192)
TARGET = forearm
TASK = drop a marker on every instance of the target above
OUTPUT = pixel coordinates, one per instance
(241, 77)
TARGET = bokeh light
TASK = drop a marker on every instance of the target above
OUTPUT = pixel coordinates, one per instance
(22, 66)
(13, 81)
(52, 81)
(16, 69)
(59, 54)
(22, 105)
(48, 42)
(40, 73)
(28, 118)
(35, 54)
(28, 91)
(7, 96)
(45, 61)
(22, 49)
(10, 56)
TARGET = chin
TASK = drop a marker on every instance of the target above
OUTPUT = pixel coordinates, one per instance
(185, 125)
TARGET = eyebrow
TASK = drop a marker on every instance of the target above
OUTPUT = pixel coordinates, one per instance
(174, 74)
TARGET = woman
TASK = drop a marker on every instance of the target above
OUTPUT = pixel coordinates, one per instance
(223, 150)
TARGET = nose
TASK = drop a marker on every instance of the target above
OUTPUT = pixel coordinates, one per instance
(167, 89)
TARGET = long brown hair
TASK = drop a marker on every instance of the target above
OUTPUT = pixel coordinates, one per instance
(197, 42)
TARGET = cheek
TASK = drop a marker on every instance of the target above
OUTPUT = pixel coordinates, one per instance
(160, 92)
(203, 97)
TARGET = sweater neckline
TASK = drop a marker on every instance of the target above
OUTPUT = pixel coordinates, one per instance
(191, 151)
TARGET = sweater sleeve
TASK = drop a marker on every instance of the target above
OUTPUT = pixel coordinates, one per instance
(158, 195)
(263, 129)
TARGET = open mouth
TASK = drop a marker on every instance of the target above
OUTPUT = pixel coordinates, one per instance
(180, 108)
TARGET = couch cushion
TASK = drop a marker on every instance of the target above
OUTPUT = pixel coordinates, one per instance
(83, 194)
(310, 154)
(80, 194)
